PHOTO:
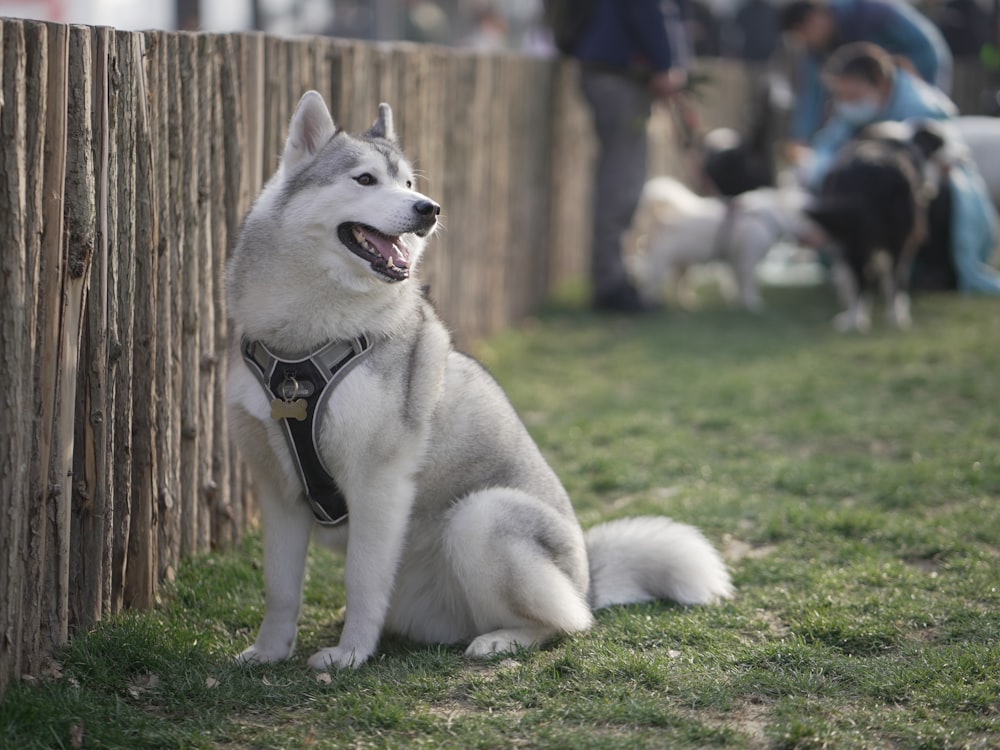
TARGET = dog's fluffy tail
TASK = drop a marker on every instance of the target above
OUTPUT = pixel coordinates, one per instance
(646, 558)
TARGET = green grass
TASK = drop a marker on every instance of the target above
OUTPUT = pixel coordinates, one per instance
(851, 481)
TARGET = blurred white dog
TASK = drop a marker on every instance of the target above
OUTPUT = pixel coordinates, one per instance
(675, 229)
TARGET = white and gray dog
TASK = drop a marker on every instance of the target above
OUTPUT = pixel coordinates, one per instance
(363, 425)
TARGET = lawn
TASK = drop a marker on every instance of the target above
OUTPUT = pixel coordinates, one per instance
(851, 482)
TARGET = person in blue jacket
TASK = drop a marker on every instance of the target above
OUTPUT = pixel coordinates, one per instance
(631, 52)
(866, 86)
(819, 27)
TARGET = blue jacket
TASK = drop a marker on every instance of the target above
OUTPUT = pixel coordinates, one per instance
(631, 35)
(910, 97)
(891, 24)
(974, 226)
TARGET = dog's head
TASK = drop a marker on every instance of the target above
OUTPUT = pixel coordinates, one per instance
(353, 194)
(731, 165)
(927, 144)
(334, 237)
(941, 147)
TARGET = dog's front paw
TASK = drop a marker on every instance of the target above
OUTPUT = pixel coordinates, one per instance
(489, 645)
(258, 654)
(505, 640)
(898, 312)
(337, 657)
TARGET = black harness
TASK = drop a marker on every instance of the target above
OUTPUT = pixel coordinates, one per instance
(299, 390)
(720, 249)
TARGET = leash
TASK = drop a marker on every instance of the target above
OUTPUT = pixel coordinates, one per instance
(685, 123)
(721, 244)
(299, 390)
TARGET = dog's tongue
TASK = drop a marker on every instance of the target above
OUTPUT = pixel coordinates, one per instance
(391, 248)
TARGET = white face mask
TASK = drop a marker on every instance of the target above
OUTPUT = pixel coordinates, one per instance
(857, 113)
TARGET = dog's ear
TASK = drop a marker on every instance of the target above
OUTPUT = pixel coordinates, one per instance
(383, 127)
(309, 131)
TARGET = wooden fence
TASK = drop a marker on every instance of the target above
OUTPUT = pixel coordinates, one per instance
(126, 163)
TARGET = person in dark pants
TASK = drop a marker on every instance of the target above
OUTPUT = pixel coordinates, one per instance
(631, 52)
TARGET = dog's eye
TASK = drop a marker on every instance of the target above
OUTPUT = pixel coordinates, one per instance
(409, 183)
(365, 179)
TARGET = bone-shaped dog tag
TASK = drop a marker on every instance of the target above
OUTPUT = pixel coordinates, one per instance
(289, 409)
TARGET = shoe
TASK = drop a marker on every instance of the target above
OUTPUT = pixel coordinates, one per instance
(625, 300)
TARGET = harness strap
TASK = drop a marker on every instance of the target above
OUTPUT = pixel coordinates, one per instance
(299, 389)
(769, 220)
(734, 207)
(725, 229)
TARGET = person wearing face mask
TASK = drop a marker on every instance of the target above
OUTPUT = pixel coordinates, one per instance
(818, 27)
(866, 86)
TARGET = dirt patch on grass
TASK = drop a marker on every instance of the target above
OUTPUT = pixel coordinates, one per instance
(734, 550)
(458, 705)
(929, 565)
(775, 625)
(453, 709)
(487, 671)
(749, 719)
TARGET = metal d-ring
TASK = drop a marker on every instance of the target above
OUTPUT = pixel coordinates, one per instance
(289, 382)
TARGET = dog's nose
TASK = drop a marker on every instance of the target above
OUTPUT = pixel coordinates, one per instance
(427, 208)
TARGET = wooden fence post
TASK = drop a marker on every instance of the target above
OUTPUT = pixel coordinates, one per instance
(227, 180)
(163, 537)
(15, 375)
(92, 510)
(49, 343)
(204, 262)
(121, 296)
(189, 231)
(140, 570)
(43, 305)
(172, 264)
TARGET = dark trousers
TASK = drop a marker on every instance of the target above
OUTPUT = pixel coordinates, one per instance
(620, 105)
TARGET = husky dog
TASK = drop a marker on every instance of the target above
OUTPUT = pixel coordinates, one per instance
(677, 229)
(457, 530)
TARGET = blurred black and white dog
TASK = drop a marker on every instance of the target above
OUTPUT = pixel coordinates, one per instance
(873, 204)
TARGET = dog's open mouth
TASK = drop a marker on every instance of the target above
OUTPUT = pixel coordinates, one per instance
(388, 254)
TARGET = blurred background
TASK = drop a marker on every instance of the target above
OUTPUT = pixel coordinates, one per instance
(746, 29)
